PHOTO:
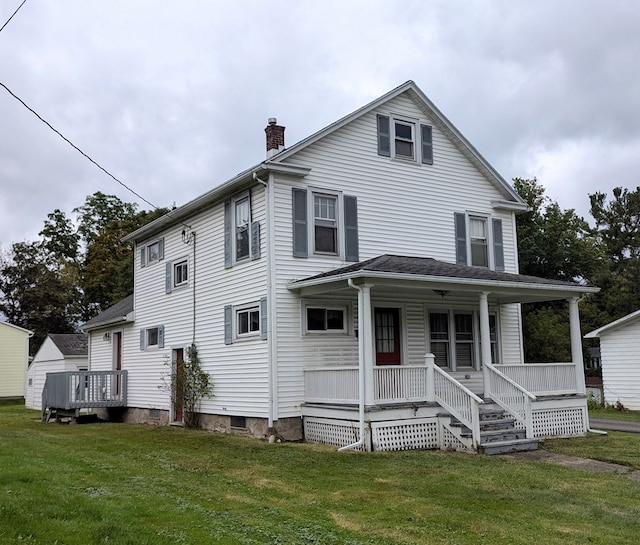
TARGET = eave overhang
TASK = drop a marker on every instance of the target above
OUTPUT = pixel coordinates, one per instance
(502, 292)
(183, 213)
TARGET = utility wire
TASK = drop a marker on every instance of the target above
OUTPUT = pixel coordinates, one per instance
(16, 11)
(74, 146)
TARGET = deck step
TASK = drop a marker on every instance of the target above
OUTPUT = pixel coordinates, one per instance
(505, 447)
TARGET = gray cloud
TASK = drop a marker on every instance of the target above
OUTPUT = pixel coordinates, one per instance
(172, 98)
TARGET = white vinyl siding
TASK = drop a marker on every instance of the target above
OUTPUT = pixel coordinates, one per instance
(238, 371)
(619, 349)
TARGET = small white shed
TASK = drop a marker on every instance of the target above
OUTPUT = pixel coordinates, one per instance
(14, 358)
(620, 360)
(59, 352)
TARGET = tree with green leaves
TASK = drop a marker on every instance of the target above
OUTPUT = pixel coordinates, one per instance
(556, 244)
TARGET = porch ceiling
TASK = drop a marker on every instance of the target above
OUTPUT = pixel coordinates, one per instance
(418, 275)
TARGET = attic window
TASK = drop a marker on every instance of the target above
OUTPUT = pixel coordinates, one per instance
(406, 139)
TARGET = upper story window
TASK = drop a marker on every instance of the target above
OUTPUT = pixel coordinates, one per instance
(151, 253)
(241, 234)
(407, 139)
(242, 217)
(180, 273)
(479, 241)
(152, 337)
(247, 321)
(324, 223)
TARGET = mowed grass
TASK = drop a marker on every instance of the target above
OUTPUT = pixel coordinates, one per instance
(135, 484)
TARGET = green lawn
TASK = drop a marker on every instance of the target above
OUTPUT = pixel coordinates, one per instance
(135, 484)
(611, 412)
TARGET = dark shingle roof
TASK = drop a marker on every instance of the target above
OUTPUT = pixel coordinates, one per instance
(426, 266)
(114, 314)
(70, 344)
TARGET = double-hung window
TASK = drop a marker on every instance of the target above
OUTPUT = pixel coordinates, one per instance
(241, 234)
(152, 253)
(479, 241)
(405, 138)
(325, 224)
(242, 220)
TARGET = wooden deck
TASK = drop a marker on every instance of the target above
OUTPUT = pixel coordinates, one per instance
(68, 392)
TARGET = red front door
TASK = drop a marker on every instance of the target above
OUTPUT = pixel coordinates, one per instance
(387, 324)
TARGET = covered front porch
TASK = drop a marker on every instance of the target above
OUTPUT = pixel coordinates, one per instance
(466, 391)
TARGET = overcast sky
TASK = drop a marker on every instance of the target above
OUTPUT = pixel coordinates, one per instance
(172, 97)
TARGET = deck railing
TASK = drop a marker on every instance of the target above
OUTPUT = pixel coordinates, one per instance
(542, 378)
(84, 389)
(331, 385)
(400, 383)
(512, 397)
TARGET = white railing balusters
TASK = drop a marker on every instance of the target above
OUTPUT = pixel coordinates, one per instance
(542, 378)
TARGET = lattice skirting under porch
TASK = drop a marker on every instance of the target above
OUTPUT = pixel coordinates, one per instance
(559, 422)
(419, 433)
(338, 433)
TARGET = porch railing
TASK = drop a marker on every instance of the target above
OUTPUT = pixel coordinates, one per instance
(331, 385)
(543, 378)
(391, 384)
(511, 396)
(84, 389)
(458, 400)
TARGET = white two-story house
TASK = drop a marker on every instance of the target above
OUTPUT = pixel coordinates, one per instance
(359, 288)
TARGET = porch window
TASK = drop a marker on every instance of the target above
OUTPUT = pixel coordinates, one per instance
(328, 320)
(439, 337)
(464, 340)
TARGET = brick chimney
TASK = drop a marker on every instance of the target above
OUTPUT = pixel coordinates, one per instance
(275, 137)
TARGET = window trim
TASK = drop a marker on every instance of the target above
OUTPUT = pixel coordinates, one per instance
(248, 309)
(339, 221)
(421, 138)
(144, 338)
(452, 341)
(145, 250)
(174, 268)
(326, 305)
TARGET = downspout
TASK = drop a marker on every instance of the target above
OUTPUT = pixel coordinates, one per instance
(361, 363)
(270, 301)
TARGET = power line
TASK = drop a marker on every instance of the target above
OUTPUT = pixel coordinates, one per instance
(74, 146)
(16, 11)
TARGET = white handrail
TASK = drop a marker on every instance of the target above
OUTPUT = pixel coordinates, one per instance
(461, 402)
(512, 397)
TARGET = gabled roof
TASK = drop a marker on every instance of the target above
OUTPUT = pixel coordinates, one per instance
(30, 333)
(122, 311)
(437, 274)
(71, 344)
(625, 320)
(276, 164)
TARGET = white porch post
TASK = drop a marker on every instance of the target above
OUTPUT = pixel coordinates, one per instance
(485, 341)
(576, 344)
(366, 312)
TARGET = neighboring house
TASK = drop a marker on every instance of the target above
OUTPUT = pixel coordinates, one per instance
(620, 360)
(59, 352)
(14, 358)
(315, 283)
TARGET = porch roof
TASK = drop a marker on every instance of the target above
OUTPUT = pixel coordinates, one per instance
(412, 273)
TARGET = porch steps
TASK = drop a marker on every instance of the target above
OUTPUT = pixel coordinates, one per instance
(498, 433)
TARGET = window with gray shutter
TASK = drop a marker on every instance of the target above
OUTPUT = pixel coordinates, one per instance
(255, 240)
(228, 324)
(427, 144)
(498, 246)
(461, 238)
(351, 244)
(143, 257)
(384, 138)
(228, 257)
(263, 319)
(300, 238)
(168, 281)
